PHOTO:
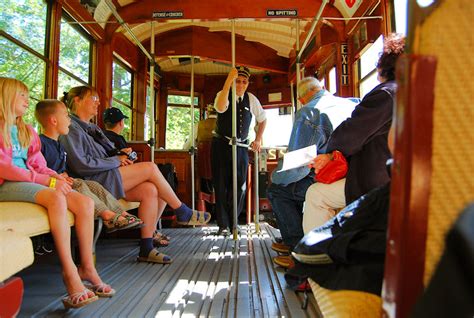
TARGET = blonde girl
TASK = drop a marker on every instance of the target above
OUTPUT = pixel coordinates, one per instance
(24, 177)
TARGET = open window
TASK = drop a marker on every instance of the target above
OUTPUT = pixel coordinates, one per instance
(122, 95)
(178, 120)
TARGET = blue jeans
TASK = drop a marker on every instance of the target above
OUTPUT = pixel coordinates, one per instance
(287, 204)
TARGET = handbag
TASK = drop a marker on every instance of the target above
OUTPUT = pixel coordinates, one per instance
(335, 170)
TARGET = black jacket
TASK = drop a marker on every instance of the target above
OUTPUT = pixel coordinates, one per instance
(356, 246)
(363, 141)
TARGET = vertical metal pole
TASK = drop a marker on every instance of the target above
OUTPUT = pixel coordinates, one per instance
(152, 91)
(255, 191)
(193, 141)
(292, 102)
(298, 66)
(234, 138)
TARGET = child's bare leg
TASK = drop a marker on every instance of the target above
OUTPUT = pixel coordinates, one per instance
(83, 209)
(56, 204)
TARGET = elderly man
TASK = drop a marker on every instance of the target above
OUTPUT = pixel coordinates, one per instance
(322, 112)
(247, 106)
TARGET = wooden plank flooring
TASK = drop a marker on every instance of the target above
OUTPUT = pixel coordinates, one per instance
(211, 276)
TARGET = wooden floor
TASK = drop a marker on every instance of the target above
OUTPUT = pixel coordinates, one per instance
(211, 276)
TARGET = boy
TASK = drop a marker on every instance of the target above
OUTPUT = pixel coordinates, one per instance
(54, 120)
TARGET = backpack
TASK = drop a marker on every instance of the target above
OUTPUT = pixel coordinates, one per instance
(169, 172)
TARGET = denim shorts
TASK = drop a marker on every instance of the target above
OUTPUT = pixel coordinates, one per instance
(20, 191)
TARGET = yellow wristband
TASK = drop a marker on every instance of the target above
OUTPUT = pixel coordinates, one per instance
(52, 182)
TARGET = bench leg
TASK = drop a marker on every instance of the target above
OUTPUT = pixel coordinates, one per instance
(11, 296)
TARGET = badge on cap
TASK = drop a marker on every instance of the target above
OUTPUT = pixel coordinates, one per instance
(243, 71)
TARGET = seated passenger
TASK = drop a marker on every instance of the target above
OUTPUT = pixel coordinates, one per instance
(114, 122)
(362, 139)
(313, 124)
(86, 146)
(54, 120)
(24, 177)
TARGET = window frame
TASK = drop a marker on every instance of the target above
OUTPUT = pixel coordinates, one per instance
(132, 107)
(196, 107)
(66, 16)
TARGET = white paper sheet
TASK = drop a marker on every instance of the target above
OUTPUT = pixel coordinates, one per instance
(298, 158)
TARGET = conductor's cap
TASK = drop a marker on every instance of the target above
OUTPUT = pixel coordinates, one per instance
(243, 71)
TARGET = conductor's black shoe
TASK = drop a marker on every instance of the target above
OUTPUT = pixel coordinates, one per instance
(223, 231)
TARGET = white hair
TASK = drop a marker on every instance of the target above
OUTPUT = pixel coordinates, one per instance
(308, 84)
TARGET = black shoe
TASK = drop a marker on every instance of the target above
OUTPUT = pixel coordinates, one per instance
(224, 231)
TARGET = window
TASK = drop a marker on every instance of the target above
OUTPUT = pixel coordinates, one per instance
(367, 67)
(23, 46)
(400, 16)
(147, 126)
(178, 120)
(278, 129)
(74, 57)
(332, 81)
(122, 92)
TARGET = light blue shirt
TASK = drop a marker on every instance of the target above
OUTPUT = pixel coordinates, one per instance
(19, 154)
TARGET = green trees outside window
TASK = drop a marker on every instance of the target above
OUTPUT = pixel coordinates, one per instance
(122, 92)
(178, 120)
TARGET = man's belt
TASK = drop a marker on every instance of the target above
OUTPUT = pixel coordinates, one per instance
(240, 142)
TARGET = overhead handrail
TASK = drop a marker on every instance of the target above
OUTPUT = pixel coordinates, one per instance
(311, 29)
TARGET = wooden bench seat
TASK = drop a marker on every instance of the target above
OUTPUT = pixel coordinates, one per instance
(19, 221)
(346, 303)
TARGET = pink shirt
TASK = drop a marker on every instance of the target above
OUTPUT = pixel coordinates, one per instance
(37, 171)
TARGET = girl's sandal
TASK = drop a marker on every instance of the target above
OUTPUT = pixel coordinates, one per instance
(74, 300)
(100, 290)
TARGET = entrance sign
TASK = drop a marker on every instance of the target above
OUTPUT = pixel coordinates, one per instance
(168, 14)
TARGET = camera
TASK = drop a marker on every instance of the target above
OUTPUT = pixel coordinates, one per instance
(130, 156)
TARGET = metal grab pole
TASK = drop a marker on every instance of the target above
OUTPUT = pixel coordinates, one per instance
(298, 73)
(292, 103)
(193, 142)
(152, 93)
(234, 139)
(255, 187)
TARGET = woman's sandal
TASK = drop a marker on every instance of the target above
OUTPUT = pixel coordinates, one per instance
(198, 218)
(127, 222)
(160, 240)
(155, 256)
(74, 300)
(99, 290)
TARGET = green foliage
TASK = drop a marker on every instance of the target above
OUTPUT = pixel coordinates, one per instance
(178, 126)
(122, 84)
(74, 52)
(181, 100)
(25, 20)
